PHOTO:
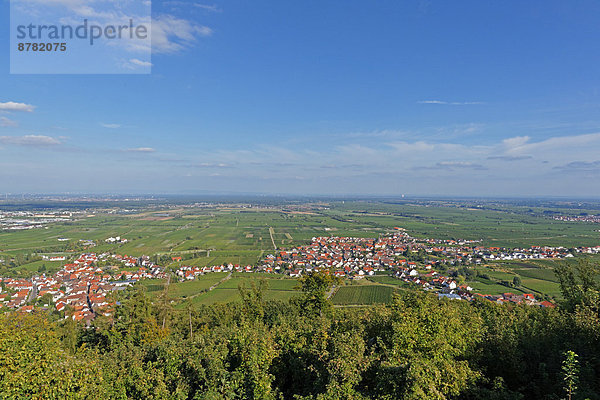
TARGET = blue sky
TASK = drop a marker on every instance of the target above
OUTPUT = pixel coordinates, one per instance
(323, 97)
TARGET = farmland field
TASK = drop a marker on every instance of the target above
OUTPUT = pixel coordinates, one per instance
(243, 235)
(222, 295)
(362, 294)
(273, 283)
(41, 266)
(153, 286)
(485, 286)
(193, 287)
(389, 280)
(500, 275)
(546, 274)
(227, 291)
(542, 286)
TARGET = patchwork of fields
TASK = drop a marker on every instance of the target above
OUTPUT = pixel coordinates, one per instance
(217, 235)
(245, 233)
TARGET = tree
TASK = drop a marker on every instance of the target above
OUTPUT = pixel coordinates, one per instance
(34, 365)
(570, 370)
(517, 281)
(579, 286)
(252, 299)
(136, 322)
(252, 352)
(426, 346)
(315, 286)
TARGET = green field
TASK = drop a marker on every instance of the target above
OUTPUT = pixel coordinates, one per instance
(496, 225)
(227, 291)
(538, 273)
(388, 280)
(273, 283)
(362, 295)
(49, 267)
(240, 237)
(542, 286)
(193, 287)
(485, 286)
(221, 295)
(534, 278)
(500, 275)
(153, 286)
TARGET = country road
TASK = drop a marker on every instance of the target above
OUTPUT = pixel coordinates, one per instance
(166, 253)
(220, 282)
(213, 287)
(272, 232)
(32, 293)
(331, 292)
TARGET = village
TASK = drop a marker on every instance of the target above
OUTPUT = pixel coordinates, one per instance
(22, 220)
(412, 260)
(578, 218)
(81, 286)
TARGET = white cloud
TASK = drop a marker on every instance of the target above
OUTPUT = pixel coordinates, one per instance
(201, 6)
(514, 158)
(171, 34)
(452, 103)
(140, 63)
(515, 144)
(510, 158)
(459, 164)
(580, 166)
(209, 165)
(212, 8)
(30, 140)
(411, 148)
(111, 126)
(556, 150)
(6, 122)
(431, 102)
(390, 133)
(379, 166)
(422, 163)
(12, 106)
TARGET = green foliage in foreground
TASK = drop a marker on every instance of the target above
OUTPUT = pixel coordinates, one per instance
(416, 347)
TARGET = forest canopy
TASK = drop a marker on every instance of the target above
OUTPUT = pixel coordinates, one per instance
(418, 347)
